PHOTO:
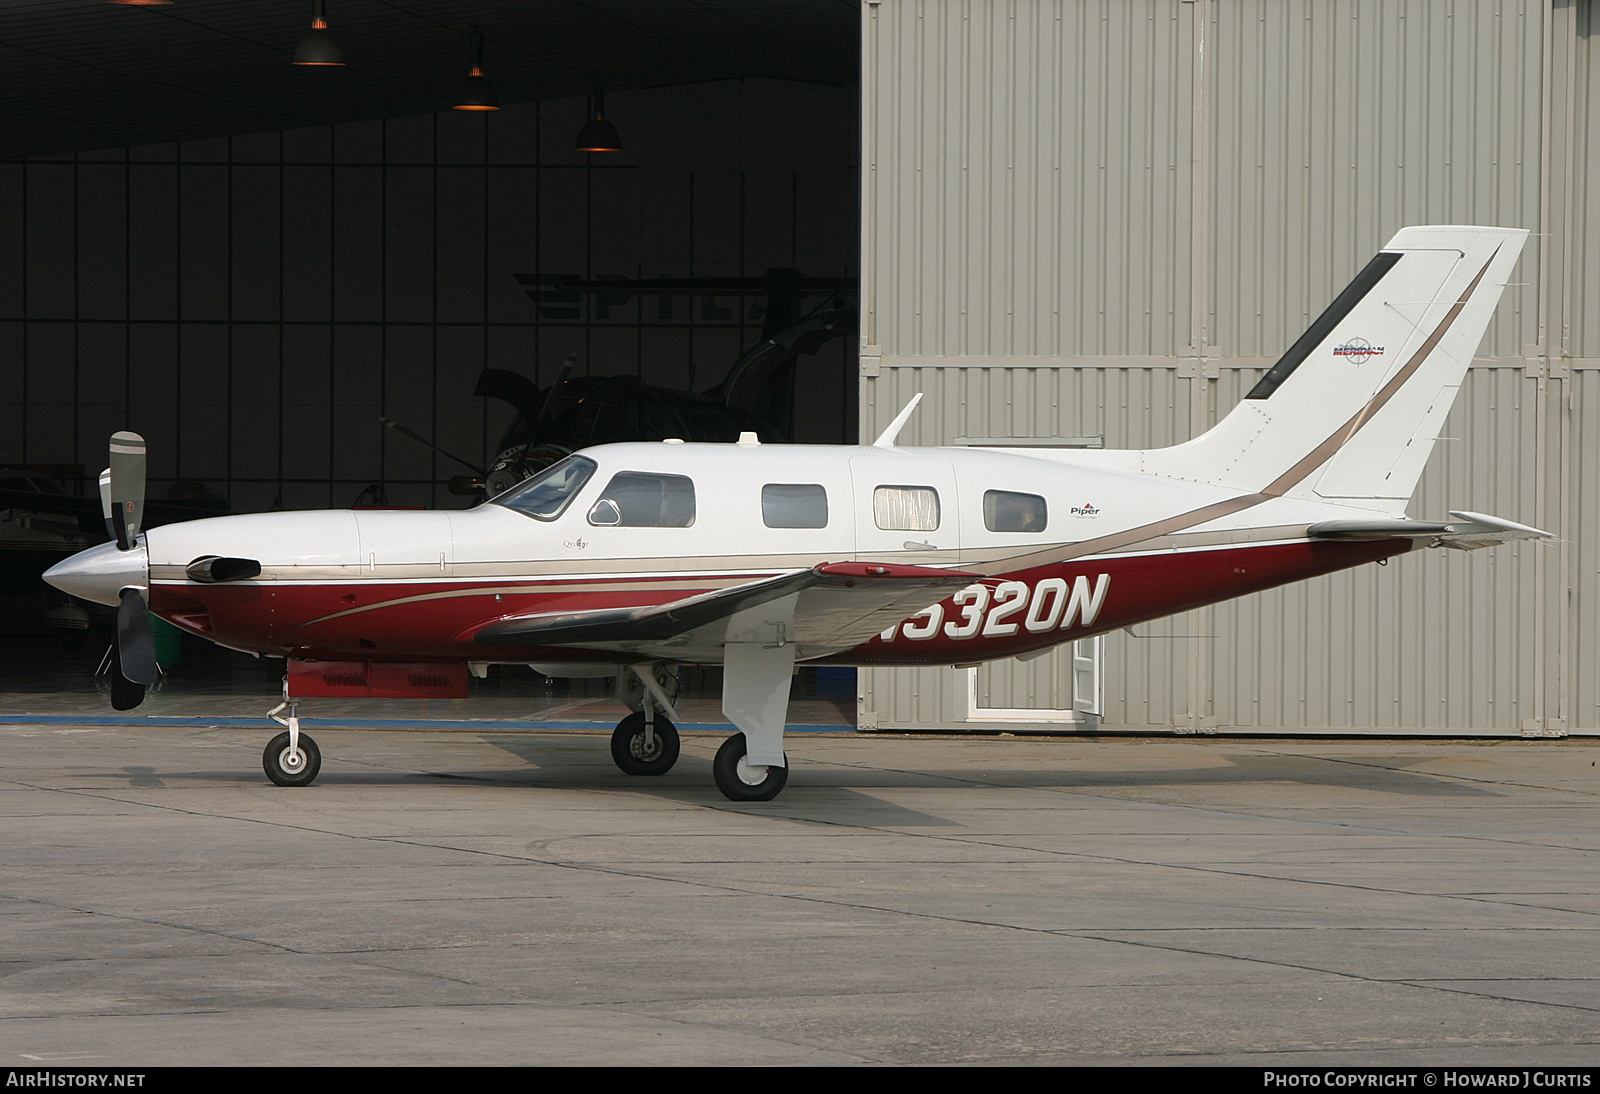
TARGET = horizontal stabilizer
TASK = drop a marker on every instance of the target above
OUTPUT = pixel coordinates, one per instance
(840, 605)
(1467, 533)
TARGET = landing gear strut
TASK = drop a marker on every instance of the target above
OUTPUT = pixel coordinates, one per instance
(741, 781)
(292, 758)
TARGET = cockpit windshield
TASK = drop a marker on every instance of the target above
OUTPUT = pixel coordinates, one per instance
(547, 494)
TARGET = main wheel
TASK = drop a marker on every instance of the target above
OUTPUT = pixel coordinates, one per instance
(634, 757)
(290, 769)
(742, 781)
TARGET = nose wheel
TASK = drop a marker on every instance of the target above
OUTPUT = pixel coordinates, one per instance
(291, 764)
(292, 758)
(741, 781)
(641, 749)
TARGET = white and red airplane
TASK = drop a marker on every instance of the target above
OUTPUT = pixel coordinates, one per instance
(628, 559)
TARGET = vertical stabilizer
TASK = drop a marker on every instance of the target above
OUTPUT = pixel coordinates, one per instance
(1351, 411)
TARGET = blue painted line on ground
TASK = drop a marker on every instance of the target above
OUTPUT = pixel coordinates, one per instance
(363, 723)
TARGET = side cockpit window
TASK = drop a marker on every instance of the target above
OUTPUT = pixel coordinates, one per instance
(794, 505)
(906, 508)
(546, 495)
(1005, 511)
(637, 499)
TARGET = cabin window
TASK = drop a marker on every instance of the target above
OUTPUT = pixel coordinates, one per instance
(635, 499)
(906, 508)
(546, 495)
(794, 505)
(1004, 511)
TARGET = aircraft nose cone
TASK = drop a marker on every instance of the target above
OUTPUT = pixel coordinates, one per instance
(101, 573)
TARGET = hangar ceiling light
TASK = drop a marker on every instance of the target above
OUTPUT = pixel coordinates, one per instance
(84, 75)
(598, 135)
(318, 46)
(476, 92)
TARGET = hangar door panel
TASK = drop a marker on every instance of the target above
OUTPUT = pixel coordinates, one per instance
(1064, 686)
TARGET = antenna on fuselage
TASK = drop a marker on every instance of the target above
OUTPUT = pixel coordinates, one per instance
(887, 438)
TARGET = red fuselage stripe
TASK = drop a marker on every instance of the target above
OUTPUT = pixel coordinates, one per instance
(1037, 608)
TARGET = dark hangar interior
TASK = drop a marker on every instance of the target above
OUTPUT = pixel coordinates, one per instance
(250, 261)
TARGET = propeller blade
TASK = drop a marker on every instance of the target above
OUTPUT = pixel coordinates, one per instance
(127, 487)
(125, 694)
(136, 642)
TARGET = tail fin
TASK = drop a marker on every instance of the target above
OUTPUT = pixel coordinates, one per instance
(1351, 412)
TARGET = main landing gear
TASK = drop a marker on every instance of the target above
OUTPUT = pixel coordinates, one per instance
(292, 758)
(739, 779)
(642, 745)
(646, 741)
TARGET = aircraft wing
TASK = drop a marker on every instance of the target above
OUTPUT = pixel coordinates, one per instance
(838, 605)
(1468, 532)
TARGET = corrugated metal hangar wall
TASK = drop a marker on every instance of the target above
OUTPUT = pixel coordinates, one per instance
(1104, 218)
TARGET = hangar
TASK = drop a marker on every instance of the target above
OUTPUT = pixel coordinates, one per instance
(1069, 222)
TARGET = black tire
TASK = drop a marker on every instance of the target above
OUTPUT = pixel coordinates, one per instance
(631, 756)
(725, 769)
(272, 761)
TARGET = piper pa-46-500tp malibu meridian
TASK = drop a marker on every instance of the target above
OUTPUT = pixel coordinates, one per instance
(628, 559)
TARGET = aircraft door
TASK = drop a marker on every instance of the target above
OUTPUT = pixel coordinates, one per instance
(906, 508)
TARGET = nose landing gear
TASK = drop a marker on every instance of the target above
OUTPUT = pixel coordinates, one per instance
(292, 764)
(292, 758)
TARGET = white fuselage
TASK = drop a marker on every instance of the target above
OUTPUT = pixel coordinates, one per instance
(417, 585)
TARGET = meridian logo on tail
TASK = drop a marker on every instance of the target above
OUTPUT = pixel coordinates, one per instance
(1358, 351)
